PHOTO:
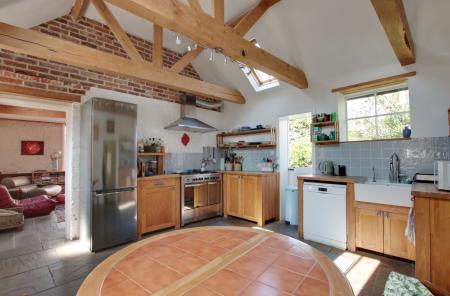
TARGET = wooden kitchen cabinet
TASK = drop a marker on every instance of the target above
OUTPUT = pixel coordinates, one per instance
(369, 229)
(251, 196)
(432, 237)
(381, 228)
(158, 203)
(395, 242)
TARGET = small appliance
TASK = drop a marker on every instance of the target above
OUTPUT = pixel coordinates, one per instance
(442, 173)
(326, 167)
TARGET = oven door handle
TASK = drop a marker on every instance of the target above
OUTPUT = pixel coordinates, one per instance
(194, 185)
(213, 183)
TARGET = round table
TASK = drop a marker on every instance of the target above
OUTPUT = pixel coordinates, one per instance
(217, 261)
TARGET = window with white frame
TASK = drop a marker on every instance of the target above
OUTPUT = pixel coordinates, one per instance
(259, 79)
(377, 114)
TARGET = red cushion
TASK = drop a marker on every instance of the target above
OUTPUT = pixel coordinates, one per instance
(5, 199)
(36, 206)
(60, 199)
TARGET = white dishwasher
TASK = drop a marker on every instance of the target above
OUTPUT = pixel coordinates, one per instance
(324, 214)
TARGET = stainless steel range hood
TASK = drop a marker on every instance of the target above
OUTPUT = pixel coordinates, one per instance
(188, 121)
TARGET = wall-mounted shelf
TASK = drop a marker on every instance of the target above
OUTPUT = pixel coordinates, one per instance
(271, 143)
(150, 154)
(157, 156)
(332, 126)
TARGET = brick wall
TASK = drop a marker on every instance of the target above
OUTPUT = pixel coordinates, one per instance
(28, 71)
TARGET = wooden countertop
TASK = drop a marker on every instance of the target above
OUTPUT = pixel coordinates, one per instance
(248, 173)
(333, 179)
(158, 177)
(429, 190)
(217, 260)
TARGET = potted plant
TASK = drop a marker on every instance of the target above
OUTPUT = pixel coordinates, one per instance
(153, 145)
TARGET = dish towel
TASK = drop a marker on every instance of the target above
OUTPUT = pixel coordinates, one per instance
(410, 230)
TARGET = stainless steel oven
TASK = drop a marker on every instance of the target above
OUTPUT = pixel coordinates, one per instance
(201, 196)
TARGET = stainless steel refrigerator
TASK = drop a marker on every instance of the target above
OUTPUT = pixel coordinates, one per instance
(108, 173)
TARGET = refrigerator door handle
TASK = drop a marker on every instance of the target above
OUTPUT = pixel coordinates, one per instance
(114, 191)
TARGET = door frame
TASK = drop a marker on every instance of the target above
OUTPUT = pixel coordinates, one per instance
(71, 152)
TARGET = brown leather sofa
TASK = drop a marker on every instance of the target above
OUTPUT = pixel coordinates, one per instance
(21, 187)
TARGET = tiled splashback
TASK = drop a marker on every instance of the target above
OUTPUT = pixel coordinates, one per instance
(416, 155)
(186, 161)
(253, 157)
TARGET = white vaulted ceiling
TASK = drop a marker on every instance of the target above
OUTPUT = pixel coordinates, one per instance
(328, 40)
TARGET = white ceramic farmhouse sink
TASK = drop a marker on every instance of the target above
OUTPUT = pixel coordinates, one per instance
(383, 192)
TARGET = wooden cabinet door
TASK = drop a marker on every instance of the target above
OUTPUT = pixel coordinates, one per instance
(369, 229)
(158, 208)
(395, 242)
(251, 198)
(232, 194)
(440, 243)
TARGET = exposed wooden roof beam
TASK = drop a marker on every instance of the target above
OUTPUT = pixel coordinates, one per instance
(35, 112)
(44, 46)
(38, 93)
(219, 10)
(241, 26)
(157, 58)
(393, 18)
(78, 9)
(186, 59)
(195, 5)
(363, 86)
(250, 18)
(206, 31)
(117, 29)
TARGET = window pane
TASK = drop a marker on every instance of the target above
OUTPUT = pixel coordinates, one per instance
(361, 107)
(300, 146)
(361, 129)
(264, 77)
(391, 126)
(393, 101)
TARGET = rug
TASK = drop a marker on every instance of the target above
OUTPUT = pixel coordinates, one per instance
(60, 213)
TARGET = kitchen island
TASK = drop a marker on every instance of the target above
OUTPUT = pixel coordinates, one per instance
(217, 261)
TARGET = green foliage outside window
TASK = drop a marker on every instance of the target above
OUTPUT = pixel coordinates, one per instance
(300, 147)
(378, 116)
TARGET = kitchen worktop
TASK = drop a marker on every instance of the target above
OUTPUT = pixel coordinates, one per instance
(429, 190)
(333, 179)
(249, 173)
(157, 177)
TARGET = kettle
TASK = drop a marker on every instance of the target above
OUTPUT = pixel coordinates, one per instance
(326, 168)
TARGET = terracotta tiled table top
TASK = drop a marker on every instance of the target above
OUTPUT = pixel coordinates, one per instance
(217, 261)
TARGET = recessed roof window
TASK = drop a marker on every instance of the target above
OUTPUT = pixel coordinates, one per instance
(259, 79)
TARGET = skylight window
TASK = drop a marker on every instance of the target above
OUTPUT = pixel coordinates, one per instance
(259, 79)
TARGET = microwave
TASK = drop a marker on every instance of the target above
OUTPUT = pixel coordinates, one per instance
(442, 173)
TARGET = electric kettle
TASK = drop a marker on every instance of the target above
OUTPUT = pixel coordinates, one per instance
(326, 167)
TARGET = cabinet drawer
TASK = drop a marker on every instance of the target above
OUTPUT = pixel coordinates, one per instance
(160, 183)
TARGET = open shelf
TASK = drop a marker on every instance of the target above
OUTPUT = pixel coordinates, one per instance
(324, 123)
(248, 132)
(260, 146)
(151, 154)
(272, 143)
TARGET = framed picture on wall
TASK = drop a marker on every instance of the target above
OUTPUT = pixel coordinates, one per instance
(32, 148)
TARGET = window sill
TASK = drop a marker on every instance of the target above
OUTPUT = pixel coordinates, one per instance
(377, 140)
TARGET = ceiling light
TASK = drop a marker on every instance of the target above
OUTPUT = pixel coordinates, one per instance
(177, 40)
(189, 48)
(211, 55)
(225, 60)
